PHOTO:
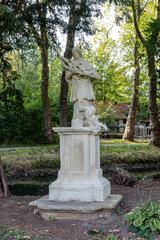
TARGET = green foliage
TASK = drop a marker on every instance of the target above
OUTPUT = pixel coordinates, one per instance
(11, 108)
(143, 112)
(51, 218)
(145, 219)
(106, 113)
(11, 98)
(144, 234)
(113, 85)
(17, 234)
(12, 234)
(21, 114)
(21, 126)
(152, 38)
(20, 75)
(112, 237)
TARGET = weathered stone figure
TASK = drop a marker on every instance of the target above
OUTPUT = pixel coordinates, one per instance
(81, 74)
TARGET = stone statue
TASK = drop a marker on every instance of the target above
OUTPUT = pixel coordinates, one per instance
(80, 191)
(80, 74)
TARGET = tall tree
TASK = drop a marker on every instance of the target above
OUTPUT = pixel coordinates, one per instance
(131, 119)
(9, 10)
(11, 98)
(150, 43)
(37, 22)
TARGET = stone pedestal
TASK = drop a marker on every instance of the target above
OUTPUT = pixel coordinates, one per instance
(80, 177)
(80, 182)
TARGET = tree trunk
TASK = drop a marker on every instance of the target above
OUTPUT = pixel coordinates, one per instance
(47, 119)
(43, 44)
(131, 120)
(63, 101)
(41, 38)
(72, 24)
(153, 107)
(151, 52)
(3, 183)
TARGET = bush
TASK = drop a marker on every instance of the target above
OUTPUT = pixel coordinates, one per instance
(22, 128)
(25, 126)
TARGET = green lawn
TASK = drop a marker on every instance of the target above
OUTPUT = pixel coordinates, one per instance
(30, 157)
(120, 141)
(124, 148)
(116, 151)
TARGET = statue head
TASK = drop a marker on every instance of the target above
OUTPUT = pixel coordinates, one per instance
(76, 53)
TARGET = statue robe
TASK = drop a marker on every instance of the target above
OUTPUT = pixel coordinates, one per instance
(82, 81)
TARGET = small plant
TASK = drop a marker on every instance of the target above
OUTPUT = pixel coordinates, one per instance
(51, 218)
(145, 219)
(145, 234)
(11, 234)
(112, 237)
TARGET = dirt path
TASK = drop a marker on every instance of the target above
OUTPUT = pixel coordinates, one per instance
(15, 213)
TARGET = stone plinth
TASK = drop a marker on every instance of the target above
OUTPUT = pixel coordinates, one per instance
(80, 177)
(76, 210)
(80, 191)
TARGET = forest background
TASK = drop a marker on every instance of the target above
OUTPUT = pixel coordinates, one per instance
(34, 95)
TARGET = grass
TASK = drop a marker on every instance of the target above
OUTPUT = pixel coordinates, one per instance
(30, 158)
(123, 148)
(113, 151)
(117, 151)
(130, 155)
(120, 141)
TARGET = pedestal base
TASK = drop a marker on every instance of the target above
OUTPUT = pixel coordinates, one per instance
(75, 210)
(80, 177)
(80, 191)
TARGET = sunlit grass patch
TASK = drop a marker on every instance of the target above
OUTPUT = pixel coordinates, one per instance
(120, 141)
(124, 148)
